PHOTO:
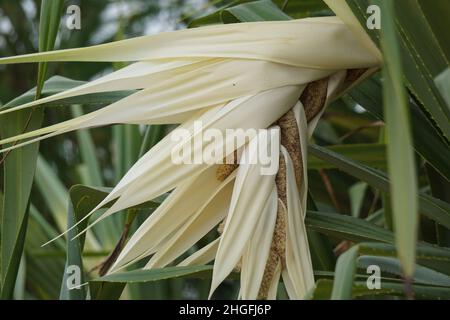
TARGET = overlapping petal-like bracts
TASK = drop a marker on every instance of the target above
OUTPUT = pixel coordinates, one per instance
(184, 71)
(238, 76)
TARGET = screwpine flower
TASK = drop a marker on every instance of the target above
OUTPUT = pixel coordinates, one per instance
(264, 75)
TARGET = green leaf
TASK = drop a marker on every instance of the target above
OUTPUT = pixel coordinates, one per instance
(52, 191)
(77, 211)
(371, 154)
(426, 253)
(424, 56)
(92, 196)
(346, 227)
(154, 290)
(304, 8)
(153, 134)
(19, 165)
(346, 265)
(106, 290)
(324, 287)
(19, 168)
(401, 162)
(357, 193)
(83, 201)
(49, 21)
(443, 84)
(295, 9)
(397, 289)
(322, 254)
(373, 177)
(92, 174)
(377, 217)
(422, 275)
(438, 23)
(88, 151)
(427, 141)
(431, 207)
(321, 291)
(357, 230)
(54, 85)
(424, 50)
(158, 274)
(435, 209)
(43, 275)
(55, 195)
(58, 84)
(344, 275)
(19, 289)
(440, 188)
(263, 10)
(127, 144)
(1, 206)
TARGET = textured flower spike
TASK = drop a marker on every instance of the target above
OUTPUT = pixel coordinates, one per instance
(261, 104)
(278, 244)
(239, 241)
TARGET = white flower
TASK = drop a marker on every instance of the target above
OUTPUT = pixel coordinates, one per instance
(238, 76)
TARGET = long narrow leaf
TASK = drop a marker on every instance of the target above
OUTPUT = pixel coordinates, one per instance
(402, 168)
(431, 207)
(344, 275)
(157, 274)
